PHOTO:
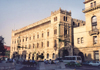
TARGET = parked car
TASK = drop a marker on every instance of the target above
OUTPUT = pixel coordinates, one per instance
(58, 60)
(74, 64)
(86, 63)
(96, 63)
(77, 59)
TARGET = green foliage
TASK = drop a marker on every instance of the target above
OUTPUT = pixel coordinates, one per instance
(2, 49)
(73, 64)
(40, 56)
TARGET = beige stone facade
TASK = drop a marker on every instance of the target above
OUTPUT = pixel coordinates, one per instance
(61, 35)
(87, 38)
(44, 37)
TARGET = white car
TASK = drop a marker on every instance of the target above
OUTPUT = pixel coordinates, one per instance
(97, 63)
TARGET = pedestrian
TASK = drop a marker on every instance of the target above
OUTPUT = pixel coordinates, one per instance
(44, 60)
(28, 63)
(14, 61)
(50, 61)
(31, 63)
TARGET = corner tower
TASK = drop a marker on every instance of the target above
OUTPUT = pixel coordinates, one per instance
(92, 15)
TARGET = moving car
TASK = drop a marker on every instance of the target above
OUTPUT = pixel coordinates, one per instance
(96, 63)
(75, 59)
(86, 63)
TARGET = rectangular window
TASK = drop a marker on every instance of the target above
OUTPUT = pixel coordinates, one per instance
(34, 37)
(23, 40)
(37, 45)
(26, 38)
(30, 38)
(91, 4)
(95, 3)
(47, 43)
(25, 46)
(33, 45)
(47, 56)
(47, 33)
(94, 39)
(37, 36)
(55, 19)
(55, 31)
(42, 44)
(82, 41)
(29, 46)
(42, 34)
(78, 40)
(96, 55)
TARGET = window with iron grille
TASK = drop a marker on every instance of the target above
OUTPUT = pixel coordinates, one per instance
(94, 39)
(82, 41)
(78, 40)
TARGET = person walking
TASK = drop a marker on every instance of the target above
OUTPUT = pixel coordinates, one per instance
(14, 61)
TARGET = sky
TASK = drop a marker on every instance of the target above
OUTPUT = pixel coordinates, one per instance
(15, 14)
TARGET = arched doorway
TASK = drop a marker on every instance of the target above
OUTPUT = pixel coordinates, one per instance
(37, 56)
(15, 55)
(65, 53)
(82, 56)
(24, 54)
(33, 56)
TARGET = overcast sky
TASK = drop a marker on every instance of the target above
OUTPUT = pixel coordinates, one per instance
(15, 14)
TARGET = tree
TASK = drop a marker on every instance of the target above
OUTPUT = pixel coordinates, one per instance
(2, 49)
(41, 56)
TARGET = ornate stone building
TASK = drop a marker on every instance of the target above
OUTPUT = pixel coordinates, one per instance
(51, 37)
(87, 37)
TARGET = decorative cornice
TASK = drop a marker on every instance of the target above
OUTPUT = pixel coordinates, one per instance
(87, 1)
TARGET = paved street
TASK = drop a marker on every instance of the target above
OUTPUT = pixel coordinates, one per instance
(51, 67)
(85, 68)
(67, 68)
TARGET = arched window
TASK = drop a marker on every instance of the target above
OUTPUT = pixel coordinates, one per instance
(78, 24)
(73, 23)
(47, 56)
(94, 22)
(91, 4)
(94, 3)
(53, 55)
(29, 56)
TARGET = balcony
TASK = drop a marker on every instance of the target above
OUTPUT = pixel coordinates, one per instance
(94, 32)
(91, 8)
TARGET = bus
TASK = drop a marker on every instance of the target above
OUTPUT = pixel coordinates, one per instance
(75, 59)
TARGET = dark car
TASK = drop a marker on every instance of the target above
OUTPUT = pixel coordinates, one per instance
(86, 63)
(74, 64)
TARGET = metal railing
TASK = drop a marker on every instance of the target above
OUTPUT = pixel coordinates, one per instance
(95, 31)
